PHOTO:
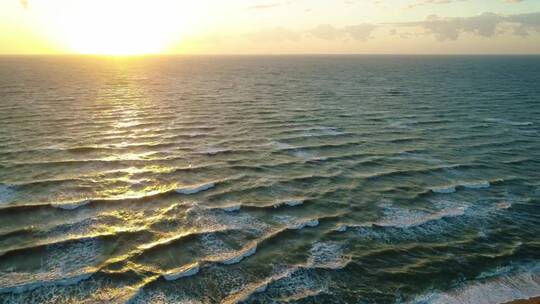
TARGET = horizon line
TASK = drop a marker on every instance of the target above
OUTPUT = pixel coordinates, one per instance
(262, 54)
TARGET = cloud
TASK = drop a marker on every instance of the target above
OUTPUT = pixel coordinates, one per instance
(485, 25)
(360, 32)
(428, 2)
(268, 5)
(278, 34)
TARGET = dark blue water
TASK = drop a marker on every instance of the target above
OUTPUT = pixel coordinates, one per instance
(299, 179)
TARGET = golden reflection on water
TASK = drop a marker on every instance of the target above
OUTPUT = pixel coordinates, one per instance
(125, 99)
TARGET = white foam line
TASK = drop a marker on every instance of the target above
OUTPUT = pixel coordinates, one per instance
(294, 202)
(70, 206)
(444, 190)
(195, 189)
(37, 284)
(232, 208)
(452, 188)
(411, 219)
(502, 289)
(243, 254)
(186, 271)
(258, 287)
(479, 185)
(509, 122)
(341, 228)
(504, 205)
(301, 225)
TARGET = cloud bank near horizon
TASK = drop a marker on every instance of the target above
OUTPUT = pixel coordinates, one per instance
(313, 26)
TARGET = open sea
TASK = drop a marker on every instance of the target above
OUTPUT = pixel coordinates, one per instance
(269, 179)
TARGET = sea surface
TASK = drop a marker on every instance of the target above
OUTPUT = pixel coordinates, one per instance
(269, 179)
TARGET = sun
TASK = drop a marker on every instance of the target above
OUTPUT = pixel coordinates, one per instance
(117, 27)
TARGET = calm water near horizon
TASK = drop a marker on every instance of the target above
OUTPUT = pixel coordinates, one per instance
(269, 179)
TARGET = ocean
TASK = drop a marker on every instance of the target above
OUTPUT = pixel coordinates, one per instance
(269, 179)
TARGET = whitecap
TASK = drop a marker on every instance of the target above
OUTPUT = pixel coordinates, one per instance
(444, 190)
(509, 122)
(71, 206)
(232, 208)
(331, 131)
(498, 289)
(240, 256)
(303, 224)
(186, 271)
(504, 205)
(293, 202)
(405, 218)
(341, 228)
(46, 283)
(62, 265)
(295, 151)
(213, 150)
(327, 255)
(282, 146)
(195, 189)
(259, 287)
(478, 185)
(295, 223)
(303, 154)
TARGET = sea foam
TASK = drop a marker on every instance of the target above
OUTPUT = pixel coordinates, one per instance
(444, 190)
(499, 289)
(237, 257)
(186, 271)
(405, 218)
(195, 189)
(71, 205)
(478, 185)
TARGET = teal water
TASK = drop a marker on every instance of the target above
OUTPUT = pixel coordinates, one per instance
(285, 179)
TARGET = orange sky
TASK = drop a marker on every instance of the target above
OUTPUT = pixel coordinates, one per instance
(273, 26)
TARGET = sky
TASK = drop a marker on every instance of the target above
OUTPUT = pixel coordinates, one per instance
(125, 27)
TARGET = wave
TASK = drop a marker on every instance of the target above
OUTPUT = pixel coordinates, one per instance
(444, 190)
(239, 256)
(510, 122)
(296, 224)
(327, 255)
(258, 287)
(406, 218)
(504, 205)
(294, 202)
(231, 208)
(195, 188)
(214, 150)
(71, 206)
(453, 188)
(185, 271)
(6, 193)
(478, 185)
(341, 228)
(29, 286)
(308, 223)
(521, 284)
(61, 264)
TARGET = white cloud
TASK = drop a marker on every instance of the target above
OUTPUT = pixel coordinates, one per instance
(485, 25)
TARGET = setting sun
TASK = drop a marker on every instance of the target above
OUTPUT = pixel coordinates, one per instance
(118, 27)
(270, 151)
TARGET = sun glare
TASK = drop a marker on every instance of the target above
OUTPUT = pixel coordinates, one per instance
(118, 27)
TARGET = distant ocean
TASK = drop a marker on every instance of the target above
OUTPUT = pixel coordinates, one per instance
(269, 179)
